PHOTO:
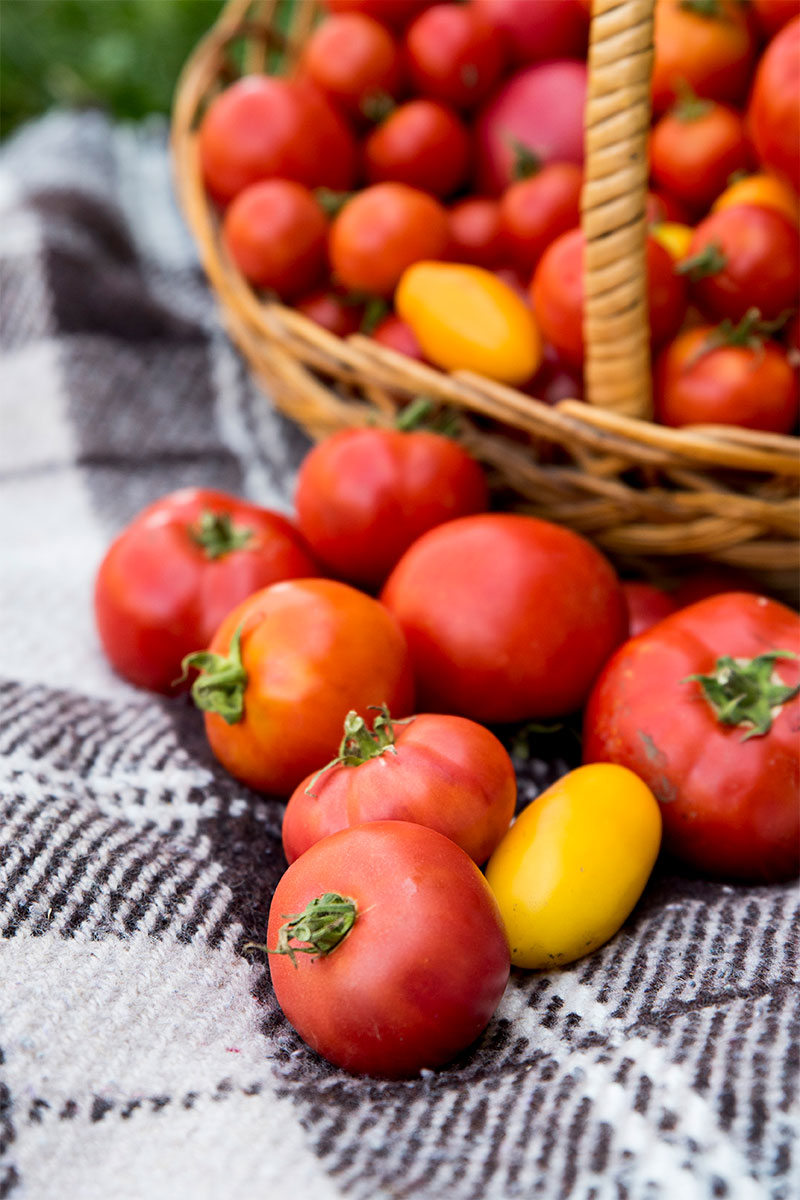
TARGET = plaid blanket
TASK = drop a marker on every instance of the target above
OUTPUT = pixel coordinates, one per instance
(142, 1054)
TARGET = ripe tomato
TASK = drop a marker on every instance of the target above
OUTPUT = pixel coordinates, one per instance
(507, 617)
(355, 61)
(695, 148)
(174, 572)
(555, 380)
(720, 753)
(284, 669)
(535, 117)
(336, 312)
(712, 376)
(364, 495)
(476, 233)
(710, 47)
(454, 54)
(762, 189)
(773, 113)
(536, 32)
(536, 210)
(402, 960)
(572, 866)
(276, 233)
(381, 231)
(422, 144)
(772, 15)
(742, 258)
(262, 127)
(399, 336)
(394, 13)
(675, 238)
(557, 295)
(445, 772)
(647, 605)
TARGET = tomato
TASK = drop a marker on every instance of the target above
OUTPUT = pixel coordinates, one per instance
(399, 336)
(536, 210)
(174, 572)
(720, 753)
(647, 605)
(572, 866)
(557, 295)
(336, 312)
(422, 144)
(555, 380)
(454, 54)
(535, 117)
(742, 258)
(445, 772)
(381, 231)
(761, 189)
(262, 127)
(476, 232)
(708, 46)
(276, 233)
(394, 13)
(507, 617)
(364, 495)
(773, 113)
(536, 32)
(674, 238)
(355, 61)
(772, 15)
(402, 960)
(695, 148)
(712, 376)
(284, 669)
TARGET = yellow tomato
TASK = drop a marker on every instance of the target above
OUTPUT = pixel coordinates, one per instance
(574, 863)
(763, 190)
(674, 237)
(465, 318)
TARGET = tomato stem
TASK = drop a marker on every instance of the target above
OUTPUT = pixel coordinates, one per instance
(360, 744)
(217, 535)
(702, 8)
(322, 926)
(709, 261)
(220, 686)
(746, 692)
(689, 106)
(526, 162)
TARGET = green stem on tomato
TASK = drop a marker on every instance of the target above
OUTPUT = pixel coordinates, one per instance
(217, 535)
(220, 686)
(746, 692)
(360, 744)
(709, 261)
(322, 926)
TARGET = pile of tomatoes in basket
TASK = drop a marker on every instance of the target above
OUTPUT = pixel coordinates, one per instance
(417, 176)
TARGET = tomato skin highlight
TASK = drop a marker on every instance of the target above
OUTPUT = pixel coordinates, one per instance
(574, 863)
(445, 772)
(418, 977)
(730, 807)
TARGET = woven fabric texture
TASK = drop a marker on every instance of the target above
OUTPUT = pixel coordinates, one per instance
(142, 1054)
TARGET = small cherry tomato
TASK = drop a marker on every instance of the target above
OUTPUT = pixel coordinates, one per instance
(569, 871)
(465, 318)
(710, 47)
(716, 739)
(284, 669)
(773, 114)
(422, 144)
(536, 210)
(387, 951)
(445, 772)
(355, 61)
(454, 54)
(364, 495)
(477, 236)
(546, 29)
(334, 311)
(674, 238)
(508, 618)
(276, 233)
(762, 189)
(647, 604)
(381, 231)
(695, 148)
(170, 577)
(399, 336)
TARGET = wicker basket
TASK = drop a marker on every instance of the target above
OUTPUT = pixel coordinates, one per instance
(657, 498)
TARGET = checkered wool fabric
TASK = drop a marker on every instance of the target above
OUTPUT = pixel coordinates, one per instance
(142, 1055)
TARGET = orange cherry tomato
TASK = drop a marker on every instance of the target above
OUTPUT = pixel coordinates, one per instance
(709, 46)
(695, 148)
(762, 189)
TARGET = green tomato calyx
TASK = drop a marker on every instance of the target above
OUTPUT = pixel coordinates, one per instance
(708, 261)
(746, 692)
(360, 744)
(216, 534)
(220, 686)
(689, 106)
(322, 926)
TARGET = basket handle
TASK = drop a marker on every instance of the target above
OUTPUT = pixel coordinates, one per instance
(617, 122)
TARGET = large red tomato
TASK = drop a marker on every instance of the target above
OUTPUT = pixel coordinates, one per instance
(445, 772)
(387, 950)
(171, 576)
(422, 144)
(284, 669)
(454, 54)
(704, 708)
(507, 617)
(276, 233)
(774, 110)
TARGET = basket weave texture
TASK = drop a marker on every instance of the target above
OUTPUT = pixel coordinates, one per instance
(650, 496)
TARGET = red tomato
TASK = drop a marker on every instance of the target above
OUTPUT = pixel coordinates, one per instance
(364, 495)
(422, 144)
(355, 61)
(507, 617)
(276, 233)
(708, 47)
(284, 669)
(399, 336)
(555, 380)
(772, 15)
(773, 114)
(695, 148)
(445, 772)
(744, 257)
(710, 581)
(383, 230)
(476, 232)
(334, 312)
(536, 115)
(647, 605)
(394, 13)
(536, 210)
(405, 958)
(174, 572)
(262, 127)
(750, 385)
(454, 54)
(557, 295)
(544, 30)
(660, 207)
(728, 792)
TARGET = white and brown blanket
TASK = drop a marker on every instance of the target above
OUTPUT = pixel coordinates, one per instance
(142, 1054)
